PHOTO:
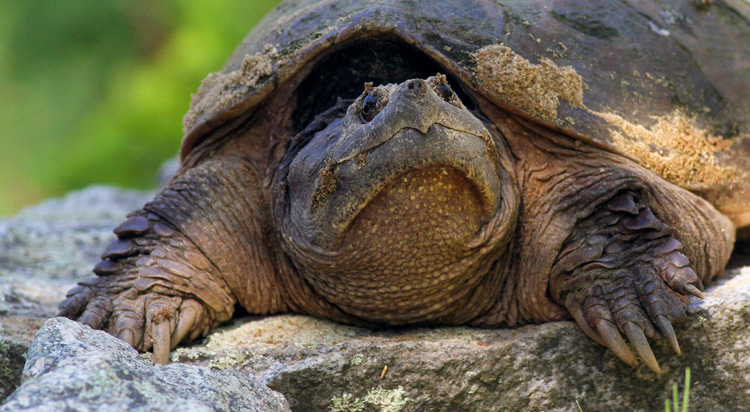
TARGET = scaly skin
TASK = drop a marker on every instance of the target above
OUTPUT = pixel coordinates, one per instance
(605, 241)
(403, 207)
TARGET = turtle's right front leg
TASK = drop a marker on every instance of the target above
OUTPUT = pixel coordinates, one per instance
(179, 264)
(623, 272)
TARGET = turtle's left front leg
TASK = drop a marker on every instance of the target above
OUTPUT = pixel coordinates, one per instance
(623, 271)
(182, 262)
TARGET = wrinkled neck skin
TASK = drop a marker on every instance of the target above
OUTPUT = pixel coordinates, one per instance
(401, 211)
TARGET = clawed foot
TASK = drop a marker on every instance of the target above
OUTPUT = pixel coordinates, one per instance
(149, 291)
(145, 321)
(636, 304)
(627, 277)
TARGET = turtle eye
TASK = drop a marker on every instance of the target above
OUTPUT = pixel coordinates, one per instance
(446, 92)
(369, 108)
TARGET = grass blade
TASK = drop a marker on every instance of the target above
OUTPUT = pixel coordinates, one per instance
(686, 395)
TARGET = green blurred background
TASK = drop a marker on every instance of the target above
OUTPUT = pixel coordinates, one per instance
(94, 91)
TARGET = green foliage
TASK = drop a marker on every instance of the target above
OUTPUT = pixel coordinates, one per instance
(94, 91)
(685, 396)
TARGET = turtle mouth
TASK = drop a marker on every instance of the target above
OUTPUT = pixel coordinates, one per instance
(345, 189)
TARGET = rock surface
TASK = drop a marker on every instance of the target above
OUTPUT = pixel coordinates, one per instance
(43, 251)
(323, 366)
(72, 367)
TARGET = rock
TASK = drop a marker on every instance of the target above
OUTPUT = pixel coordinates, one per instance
(60, 238)
(43, 251)
(72, 367)
(166, 171)
(319, 365)
(323, 366)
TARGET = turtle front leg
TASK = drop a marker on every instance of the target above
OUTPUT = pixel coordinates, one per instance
(622, 271)
(181, 263)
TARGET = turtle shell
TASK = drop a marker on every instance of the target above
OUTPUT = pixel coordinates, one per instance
(665, 84)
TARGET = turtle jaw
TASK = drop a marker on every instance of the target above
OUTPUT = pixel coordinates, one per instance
(346, 189)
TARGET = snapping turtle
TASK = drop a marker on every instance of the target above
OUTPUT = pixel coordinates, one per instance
(396, 163)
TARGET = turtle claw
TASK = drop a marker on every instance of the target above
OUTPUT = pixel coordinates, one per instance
(148, 321)
(190, 315)
(75, 301)
(580, 318)
(614, 341)
(666, 330)
(149, 292)
(127, 324)
(96, 313)
(638, 310)
(639, 342)
(692, 290)
(171, 321)
(127, 336)
(162, 342)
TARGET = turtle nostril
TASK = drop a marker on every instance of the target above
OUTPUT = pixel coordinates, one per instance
(416, 84)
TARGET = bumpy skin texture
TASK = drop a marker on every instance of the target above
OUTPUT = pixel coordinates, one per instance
(402, 204)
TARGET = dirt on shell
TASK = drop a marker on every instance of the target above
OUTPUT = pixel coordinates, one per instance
(534, 88)
(674, 148)
(219, 91)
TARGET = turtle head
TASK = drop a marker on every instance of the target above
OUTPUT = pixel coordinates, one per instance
(408, 178)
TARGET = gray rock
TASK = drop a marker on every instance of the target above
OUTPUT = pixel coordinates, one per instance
(72, 367)
(324, 366)
(60, 238)
(43, 251)
(167, 171)
(320, 365)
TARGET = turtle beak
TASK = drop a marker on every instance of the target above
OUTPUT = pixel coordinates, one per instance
(413, 105)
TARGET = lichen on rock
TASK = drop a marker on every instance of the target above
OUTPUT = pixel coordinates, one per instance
(72, 367)
(379, 399)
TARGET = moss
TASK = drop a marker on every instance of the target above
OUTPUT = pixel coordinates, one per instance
(11, 365)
